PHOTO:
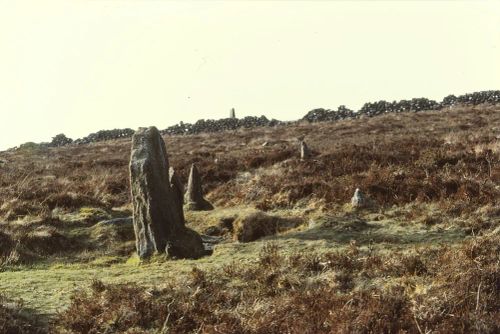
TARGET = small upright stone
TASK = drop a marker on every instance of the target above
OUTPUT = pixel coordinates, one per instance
(178, 189)
(194, 195)
(158, 219)
(305, 153)
(232, 113)
(359, 199)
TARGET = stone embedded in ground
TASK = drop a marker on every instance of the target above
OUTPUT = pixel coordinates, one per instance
(213, 230)
(158, 220)
(194, 195)
(305, 153)
(359, 199)
(186, 245)
(232, 113)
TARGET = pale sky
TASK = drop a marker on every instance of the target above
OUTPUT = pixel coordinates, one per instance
(77, 67)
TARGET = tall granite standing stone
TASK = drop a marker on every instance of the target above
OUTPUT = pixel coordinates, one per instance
(305, 153)
(158, 219)
(232, 113)
(194, 195)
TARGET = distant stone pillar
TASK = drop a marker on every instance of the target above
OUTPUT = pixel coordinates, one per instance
(158, 218)
(305, 153)
(232, 113)
(194, 195)
(359, 199)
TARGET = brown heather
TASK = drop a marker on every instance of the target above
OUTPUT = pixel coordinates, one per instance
(449, 157)
(424, 259)
(309, 294)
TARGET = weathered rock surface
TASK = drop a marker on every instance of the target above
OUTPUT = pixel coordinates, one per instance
(186, 245)
(158, 223)
(178, 189)
(194, 195)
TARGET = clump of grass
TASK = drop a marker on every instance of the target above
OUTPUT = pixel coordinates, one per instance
(25, 244)
(259, 224)
(254, 226)
(93, 215)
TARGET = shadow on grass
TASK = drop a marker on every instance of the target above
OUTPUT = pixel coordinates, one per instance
(343, 230)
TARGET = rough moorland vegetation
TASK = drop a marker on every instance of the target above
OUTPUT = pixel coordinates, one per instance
(441, 290)
(294, 256)
(449, 158)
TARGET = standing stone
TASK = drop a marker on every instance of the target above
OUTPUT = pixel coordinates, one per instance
(359, 199)
(194, 194)
(158, 221)
(232, 113)
(305, 153)
(178, 189)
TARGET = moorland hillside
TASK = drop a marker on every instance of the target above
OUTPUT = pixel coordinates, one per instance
(290, 253)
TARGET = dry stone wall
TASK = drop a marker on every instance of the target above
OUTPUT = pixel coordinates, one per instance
(369, 109)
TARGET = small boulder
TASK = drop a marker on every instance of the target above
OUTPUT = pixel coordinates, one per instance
(186, 245)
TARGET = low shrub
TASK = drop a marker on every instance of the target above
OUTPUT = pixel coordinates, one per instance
(258, 224)
(309, 293)
(12, 320)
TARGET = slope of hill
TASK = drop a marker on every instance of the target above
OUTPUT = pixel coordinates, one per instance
(423, 257)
